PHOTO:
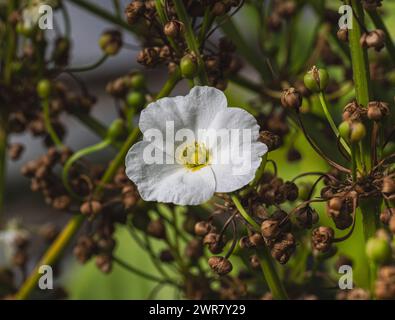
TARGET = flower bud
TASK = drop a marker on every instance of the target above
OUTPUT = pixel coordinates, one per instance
(374, 39)
(316, 80)
(111, 42)
(135, 100)
(358, 132)
(173, 28)
(378, 250)
(44, 88)
(220, 265)
(115, 130)
(322, 238)
(188, 66)
(291, 99)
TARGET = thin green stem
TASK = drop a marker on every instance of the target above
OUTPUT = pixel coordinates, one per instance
(269, 270)
(104, 14)
(141, 273)
(75, 157)
(331, 122)
(117, 8)
(88, 67)
(191, 40)
(48, 124)
(208, 20)
(260, 171)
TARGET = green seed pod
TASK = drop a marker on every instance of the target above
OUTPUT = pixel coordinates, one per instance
(23, 30)
(378, 250)
(188, 66)
(304, 190)
(345, 130)
(137, 81)
(358, 131)
(135, 100)
(316, 80)
(44, 88)
(115, 130)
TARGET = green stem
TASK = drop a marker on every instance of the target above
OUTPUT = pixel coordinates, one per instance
(370, 208)
(104, 14)
(331, 122)
(354, 162)
(260, 171)
(89, 67)
(57, 247)
(48, 124)
(76, 156)
(269, 270)
(379, 24)
(190, 38)
(208, 20)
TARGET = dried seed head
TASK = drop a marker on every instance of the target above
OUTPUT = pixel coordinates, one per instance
(342, 34)
(386, 215)
(306, 217)
(220, 265)
(202, 228)
(91, 208)
(388, 187)
(270, 228)
(134, 11)
(15, 151)
(61, 202)
(156, 228)
(104, 263)
(256, 239)
(283, 248)
(322, 238)
(377, 110)
(374, 39)
(291, 99)
(271, 140)
(173, 28)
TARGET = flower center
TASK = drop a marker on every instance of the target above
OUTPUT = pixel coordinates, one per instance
(195, 156)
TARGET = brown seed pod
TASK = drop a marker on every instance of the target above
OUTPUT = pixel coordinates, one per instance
(173, 28)
(156, 228)
(374, 39)
(322, 238)
(91, 208)
(291, 99)
(220, 265)
(270, 228)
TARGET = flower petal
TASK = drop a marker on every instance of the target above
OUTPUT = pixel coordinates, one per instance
(194, 111)
(168, 182)
(235, 160)
(235, 175)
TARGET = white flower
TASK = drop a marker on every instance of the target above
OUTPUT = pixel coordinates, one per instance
(7, 244)
(194, 167)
